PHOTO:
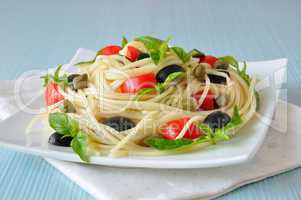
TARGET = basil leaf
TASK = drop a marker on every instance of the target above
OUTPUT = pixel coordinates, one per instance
(155, 56)
(124, 41)
(157, 48)
(150, 42)
(163, 49)
(143, 92)
(79, 145)
(230, 60)
(59, 122)
(159, 88)
(73, 127)
(164, 144)
(181, 53)
(171, 77)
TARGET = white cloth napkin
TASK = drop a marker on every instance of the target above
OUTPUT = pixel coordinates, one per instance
(280, 152)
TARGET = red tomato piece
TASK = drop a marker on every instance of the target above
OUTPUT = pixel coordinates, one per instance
(208, 103)
(134, 84)
(110, 50)
(132, 53)
(52, 94)
(208, 59)
(174, 127)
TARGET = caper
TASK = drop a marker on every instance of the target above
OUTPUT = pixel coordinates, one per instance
(220, 64)
(68, 107)
(80, 82)
(199, 72)
(196, 53)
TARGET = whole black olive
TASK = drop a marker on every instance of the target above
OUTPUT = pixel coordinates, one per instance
(119, 123)
(142, 56)
(163, 73)
(58, 140)
(217, 119)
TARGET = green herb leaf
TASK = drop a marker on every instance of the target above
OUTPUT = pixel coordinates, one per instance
(159, 88)
(66, 126)
(230, 60)
(157, 48)
(142, 92)
(124, 41)
(221, 133)
(155, 56)
(181, 53)
(79, 145)
(206, 128)
(59, 122)
(56, 78)
(150, 42)
(209, 133)
(63, 124)
(164, 144)
(172, 77)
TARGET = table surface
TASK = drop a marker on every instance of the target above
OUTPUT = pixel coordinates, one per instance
(39, 35)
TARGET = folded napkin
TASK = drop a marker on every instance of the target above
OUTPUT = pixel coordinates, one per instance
(280, 152)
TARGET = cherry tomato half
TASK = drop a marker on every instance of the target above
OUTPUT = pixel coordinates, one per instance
(209, 101)
(132, 53)
(174, 127)
(110, 50)
(134, 84)
(52, 94)
(208, 59)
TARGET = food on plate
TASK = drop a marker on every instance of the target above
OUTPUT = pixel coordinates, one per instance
(146, 97)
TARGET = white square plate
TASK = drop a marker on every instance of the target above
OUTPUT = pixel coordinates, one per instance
(237, 150)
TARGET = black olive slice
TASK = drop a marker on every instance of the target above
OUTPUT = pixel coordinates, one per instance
(164, 72)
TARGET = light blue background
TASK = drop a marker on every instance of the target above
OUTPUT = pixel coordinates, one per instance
(41, 34)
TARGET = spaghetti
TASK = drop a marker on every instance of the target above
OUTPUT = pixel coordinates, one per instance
(159, 106)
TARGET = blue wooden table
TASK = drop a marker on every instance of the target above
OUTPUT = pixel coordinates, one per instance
(41, 34)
